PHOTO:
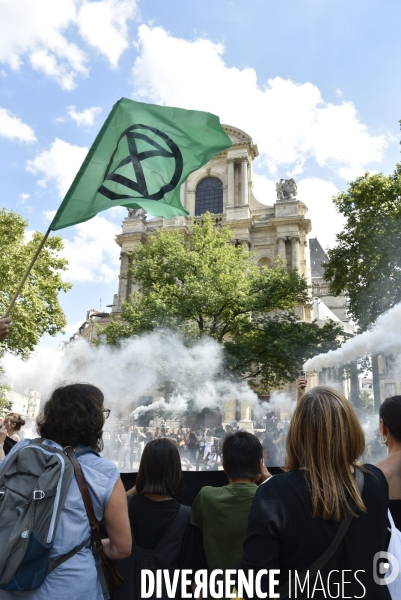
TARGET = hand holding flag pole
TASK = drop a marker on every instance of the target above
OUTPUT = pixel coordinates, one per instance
(139, 159)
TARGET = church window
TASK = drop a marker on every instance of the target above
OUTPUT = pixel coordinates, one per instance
(209, 196)
(265, 262)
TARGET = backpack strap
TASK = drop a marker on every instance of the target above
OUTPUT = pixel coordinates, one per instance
(109, 577)
(53, 564)
(326, 556)
(94, 525)
(176, 527)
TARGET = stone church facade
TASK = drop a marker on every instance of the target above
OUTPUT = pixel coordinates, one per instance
(224, 187)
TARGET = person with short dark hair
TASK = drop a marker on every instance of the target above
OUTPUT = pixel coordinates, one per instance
(221, 513)
(162, 536)
(390, 429)
(211, 460)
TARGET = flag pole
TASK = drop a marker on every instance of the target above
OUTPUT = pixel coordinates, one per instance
(26, 274)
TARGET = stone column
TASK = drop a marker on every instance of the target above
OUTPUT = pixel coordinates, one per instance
(281, 248)
(307, 260)
(245, 422)
(376, 381)
(183, 193)
(244, 180)
(122, 286)
(354, 395)
(229, 411)
(296, 262)
(245, 410)
(230, 188)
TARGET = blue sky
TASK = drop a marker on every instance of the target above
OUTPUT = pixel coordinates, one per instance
(314, 82)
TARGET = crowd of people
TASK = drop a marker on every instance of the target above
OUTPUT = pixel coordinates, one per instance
(324, 504)
(201, 448)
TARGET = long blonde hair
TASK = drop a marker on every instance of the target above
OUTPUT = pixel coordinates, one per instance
(325, 438)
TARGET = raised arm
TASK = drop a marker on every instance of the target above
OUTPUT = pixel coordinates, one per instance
(3, 435)
(301, 384)
(4, 325)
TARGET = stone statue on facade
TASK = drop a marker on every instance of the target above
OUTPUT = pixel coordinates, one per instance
(136, 213)
(286, 190)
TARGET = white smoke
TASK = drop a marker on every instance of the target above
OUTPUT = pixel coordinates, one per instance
(279, 402)
(383, 338)
(138, 367)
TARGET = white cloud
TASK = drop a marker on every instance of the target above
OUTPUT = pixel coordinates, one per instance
(72, 328)
(290, 121)
(24, 196)
(264, 189)
(49, 215)
(34, 29)
(326, 221)
(13, 128)
(92, 253)
(37, 30)
(59, 164)
(28, 235)
(104, 26)
(86, 117)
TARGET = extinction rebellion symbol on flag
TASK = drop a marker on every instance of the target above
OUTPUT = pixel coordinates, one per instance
(143, 142)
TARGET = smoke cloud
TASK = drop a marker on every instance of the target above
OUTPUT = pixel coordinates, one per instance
(155, 364)
(383, 338)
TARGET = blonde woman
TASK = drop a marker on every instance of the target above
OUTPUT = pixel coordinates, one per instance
(296, 515)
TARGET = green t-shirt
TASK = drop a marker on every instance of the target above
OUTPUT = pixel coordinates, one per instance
(222, 515)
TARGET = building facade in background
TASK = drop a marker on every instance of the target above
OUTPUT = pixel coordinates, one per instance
(25, 401)
(277, 230)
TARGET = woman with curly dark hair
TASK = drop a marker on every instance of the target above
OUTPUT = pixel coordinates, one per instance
(74, 416)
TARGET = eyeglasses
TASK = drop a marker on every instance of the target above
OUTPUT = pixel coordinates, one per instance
(106, 412)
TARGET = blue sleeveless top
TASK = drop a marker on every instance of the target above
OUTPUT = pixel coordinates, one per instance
(76, 579)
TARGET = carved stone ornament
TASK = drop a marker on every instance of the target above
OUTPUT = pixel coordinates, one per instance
(136, 213)
(286, 189)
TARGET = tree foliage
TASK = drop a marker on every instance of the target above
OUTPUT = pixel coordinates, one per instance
(366, 403)
(37, 310)
(203, 284)
(269, 351)
(366, 261)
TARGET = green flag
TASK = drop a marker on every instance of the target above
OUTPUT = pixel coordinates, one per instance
(139, 159)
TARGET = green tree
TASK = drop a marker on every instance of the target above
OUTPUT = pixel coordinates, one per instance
(366, 402)
(203, 284)
(37, 310)
(366, 261)
(5, 404)
(269, 351)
